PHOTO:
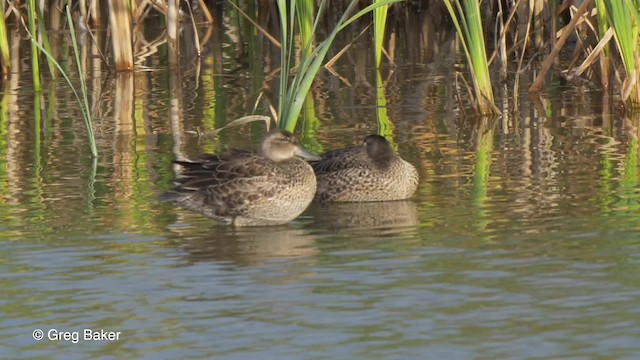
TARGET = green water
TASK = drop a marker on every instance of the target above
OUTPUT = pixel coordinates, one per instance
(523, 240)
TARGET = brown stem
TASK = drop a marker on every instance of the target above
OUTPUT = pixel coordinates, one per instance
(546, 65)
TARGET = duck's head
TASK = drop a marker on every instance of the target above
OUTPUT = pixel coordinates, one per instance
(281, 145)
(378, 148)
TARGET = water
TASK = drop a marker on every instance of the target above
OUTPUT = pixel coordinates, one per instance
(523, 240)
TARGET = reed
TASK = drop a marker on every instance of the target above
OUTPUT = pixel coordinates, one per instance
(305, 17)
(379, 26)
(94, 12)
(4, 44)
(605, 55)
(84, 101)
(37, 31)
(86, 109)
(293, 93)
(624, 19)
(43, 37)
(35, 65)
(172, 33)
(465, 15)
(120, 22)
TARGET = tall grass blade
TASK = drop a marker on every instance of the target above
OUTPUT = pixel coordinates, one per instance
(4, 43)
(286, 35)
(605, 55)
(304, 12)
(291, 103)
(35, 65)
(468, 24)
(86, 112)
(84, 101)
(42, 34)
(623, 18)
(379, 26)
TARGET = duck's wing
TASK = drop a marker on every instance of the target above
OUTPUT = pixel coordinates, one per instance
(340, 159)
(225, 184)
(208, 163)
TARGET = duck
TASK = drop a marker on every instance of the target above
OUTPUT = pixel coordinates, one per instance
(272, 186)
(368, 172)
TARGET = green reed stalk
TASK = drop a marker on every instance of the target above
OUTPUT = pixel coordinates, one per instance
(304, 12)
(468, 24)
(45, 41)
(623, 18)
(4, 43)
(286, 41)
(84, 102)
(35, 65)
(310, 122)
(86, 108)
(605, 56)
(294, 93)
(379, 26)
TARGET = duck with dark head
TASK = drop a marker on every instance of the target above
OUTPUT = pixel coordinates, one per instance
(369, 172)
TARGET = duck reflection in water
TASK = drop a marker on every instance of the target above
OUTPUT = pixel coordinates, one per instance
(249, 246)
(366, 218)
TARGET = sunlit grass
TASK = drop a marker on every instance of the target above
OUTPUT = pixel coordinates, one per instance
(293, 93)
(84, 101)
(465, 15)
(624, 18)
(379, 26)
(4, 43)
(35, 65)
(605, 56)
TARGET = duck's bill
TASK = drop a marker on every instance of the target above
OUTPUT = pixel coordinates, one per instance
(305, 154)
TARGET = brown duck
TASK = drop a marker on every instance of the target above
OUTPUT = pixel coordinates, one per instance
(242, 188)
(369, 172)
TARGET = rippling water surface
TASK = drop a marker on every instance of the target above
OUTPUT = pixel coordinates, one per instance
(523, 240)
